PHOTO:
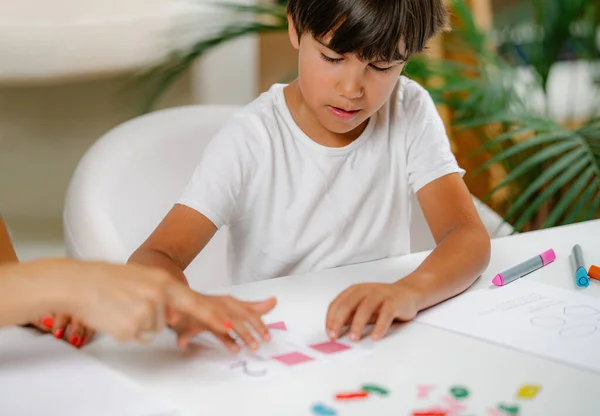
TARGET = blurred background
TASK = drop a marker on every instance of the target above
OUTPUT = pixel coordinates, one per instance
(517, 83)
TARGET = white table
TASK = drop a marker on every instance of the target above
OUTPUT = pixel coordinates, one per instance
(415, 354)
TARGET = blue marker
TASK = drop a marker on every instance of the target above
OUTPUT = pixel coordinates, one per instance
(581, 276)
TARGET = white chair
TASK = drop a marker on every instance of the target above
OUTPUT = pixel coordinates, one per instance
(130, 178)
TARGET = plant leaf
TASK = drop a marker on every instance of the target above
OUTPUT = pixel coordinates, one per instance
(550, 191)
(557, 167)
(569, 197)
(581, 203)
(533, 161)
(518, 148)
(592, 211)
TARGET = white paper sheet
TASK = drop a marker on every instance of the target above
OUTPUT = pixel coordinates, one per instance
(288, 349)
(40, 375)
(532, 317)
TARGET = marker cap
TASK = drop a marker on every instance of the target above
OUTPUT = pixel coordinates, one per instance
(548, 257)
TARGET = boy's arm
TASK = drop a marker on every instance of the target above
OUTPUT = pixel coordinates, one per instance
(463, 244)
(461, 255)
(7, 251)
(177, 240)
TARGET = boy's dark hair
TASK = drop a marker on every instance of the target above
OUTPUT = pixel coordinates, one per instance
(372, 29)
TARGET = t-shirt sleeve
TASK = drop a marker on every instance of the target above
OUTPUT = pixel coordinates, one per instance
(429, 156)
(218, 184)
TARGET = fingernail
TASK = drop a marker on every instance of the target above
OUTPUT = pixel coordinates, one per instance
(82, 343)
(332, 334)
(253, 346)
(59, 333)
(75, 340)
(376, 337)
(353, 337)
(267, 337)
(235, 349)
(48, 322)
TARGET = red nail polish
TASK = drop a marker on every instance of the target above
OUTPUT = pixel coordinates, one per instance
(59, 333)
(82, 343)
(48, 322)
(75, 340)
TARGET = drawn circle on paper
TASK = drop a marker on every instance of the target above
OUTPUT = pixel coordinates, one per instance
(579, 331)
(548, 321)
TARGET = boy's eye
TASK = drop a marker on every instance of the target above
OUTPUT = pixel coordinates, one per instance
(329, 59)
(381, 69)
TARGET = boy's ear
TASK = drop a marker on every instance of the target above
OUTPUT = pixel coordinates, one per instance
(292, 33)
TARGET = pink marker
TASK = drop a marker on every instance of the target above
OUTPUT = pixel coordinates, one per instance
(524, 268)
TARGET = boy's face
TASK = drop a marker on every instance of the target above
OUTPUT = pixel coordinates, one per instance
(342, 92)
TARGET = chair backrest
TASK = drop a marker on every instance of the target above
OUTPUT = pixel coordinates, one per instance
(130, 178)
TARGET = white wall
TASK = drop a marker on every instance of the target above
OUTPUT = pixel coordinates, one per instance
(47, 125)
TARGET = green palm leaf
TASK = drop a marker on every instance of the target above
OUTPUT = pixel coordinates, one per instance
(592, 212)
(518, 148)
(549, 192)
(576, 212)
(532, 162)
(569, 197)
(556, 168)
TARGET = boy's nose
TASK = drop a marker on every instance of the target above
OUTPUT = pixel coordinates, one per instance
(351, 86)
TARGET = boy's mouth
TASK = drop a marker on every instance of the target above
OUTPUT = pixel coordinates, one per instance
(343, 114)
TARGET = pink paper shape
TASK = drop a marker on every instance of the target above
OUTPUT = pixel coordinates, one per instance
(330, 347)
(454, 405)
(278, 325)
(495, 412)
(293, 358)
(423, 391)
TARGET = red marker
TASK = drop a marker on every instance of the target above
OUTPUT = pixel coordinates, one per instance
(350, 396)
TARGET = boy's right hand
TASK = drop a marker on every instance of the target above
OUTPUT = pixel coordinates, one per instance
(225, 316)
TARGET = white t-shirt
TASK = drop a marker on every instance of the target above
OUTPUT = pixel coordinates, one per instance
(294, 206)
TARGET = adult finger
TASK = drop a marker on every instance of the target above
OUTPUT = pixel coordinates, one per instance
(264, 306)
(88, 335)
(241, 330)
(229, 343)
(75, 333)
(61, 322)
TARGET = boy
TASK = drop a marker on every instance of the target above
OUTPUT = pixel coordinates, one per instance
(317, 174)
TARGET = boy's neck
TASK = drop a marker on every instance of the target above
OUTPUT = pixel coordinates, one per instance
(310, 125)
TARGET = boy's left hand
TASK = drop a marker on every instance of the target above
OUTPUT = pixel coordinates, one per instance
(367, 303)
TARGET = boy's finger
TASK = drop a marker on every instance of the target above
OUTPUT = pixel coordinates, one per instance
(363, 314)
(60, 324)
(339, 313)
(384, 321)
